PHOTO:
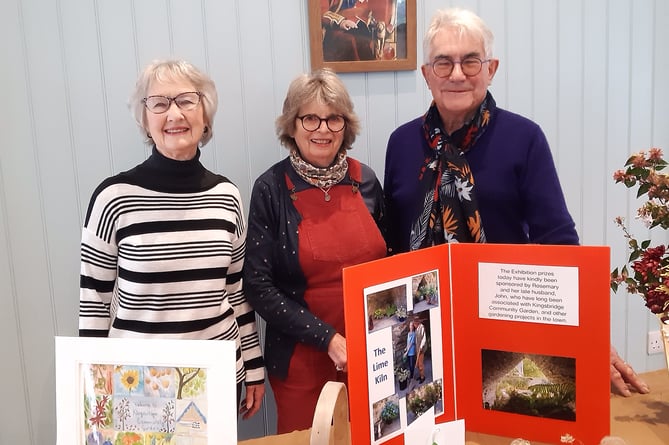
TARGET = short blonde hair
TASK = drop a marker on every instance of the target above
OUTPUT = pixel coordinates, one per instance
(325, 87)
(462, 20)
(170, 71)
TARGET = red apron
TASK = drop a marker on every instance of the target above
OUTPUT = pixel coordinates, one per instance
(332, 235)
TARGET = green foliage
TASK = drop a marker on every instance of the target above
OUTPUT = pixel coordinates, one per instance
(427, 290)
(390, 411)
(429, 396)
(530, 369)
(417, 405)
(544, 400)
(196, 386)
(558, 394)
(402, 373)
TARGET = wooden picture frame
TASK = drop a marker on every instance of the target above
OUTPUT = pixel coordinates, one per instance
(384, 40)
(185, 387)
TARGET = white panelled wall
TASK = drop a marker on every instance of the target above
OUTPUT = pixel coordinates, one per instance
(590, 72)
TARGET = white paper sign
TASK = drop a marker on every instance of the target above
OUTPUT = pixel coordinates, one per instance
(529, 293)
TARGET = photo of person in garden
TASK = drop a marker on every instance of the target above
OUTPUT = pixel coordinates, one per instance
(410, 351)
(411, 346)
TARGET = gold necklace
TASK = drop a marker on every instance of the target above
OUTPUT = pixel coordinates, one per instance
(326, 191)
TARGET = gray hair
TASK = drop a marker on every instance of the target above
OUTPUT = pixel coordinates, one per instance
(462, 20)
(325, 87)
(164, 71)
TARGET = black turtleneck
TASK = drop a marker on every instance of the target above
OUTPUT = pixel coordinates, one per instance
(160, 173)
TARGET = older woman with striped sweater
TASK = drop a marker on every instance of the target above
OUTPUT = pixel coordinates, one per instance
(163, 244)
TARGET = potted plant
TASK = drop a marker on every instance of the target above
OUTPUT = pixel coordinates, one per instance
(647, 269)
(417, 405)
(402, 375)
(401, 313)
(390, 412)
(431, 294)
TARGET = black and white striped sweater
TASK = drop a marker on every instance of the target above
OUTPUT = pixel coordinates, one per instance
(162, 252)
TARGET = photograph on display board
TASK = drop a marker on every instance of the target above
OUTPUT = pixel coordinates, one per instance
(404, 380)
(529, 384)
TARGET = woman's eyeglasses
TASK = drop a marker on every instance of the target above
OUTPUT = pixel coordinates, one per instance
(311, 122)
(185, 101)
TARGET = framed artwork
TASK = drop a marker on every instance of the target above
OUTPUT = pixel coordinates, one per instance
(113, 391)
(363, 35)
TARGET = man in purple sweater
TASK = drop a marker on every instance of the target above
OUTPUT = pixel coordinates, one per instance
(468, 171)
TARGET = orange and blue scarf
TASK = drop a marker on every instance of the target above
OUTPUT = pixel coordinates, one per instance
(450, 208)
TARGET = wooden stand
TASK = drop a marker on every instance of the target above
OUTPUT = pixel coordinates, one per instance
(330, 426)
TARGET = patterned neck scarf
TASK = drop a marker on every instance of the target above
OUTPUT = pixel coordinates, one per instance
(322, 177)
(450, 208)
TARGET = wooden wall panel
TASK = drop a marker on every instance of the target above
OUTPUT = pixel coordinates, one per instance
(593, 128)
(567, 142)
(11, 349)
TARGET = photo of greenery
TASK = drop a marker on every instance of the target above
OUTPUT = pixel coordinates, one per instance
(529, 384)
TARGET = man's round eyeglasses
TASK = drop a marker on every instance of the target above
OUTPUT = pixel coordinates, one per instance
(185, 101)
(311, 122)
(470, 66)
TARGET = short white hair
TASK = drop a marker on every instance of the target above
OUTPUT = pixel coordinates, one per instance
(462, 20)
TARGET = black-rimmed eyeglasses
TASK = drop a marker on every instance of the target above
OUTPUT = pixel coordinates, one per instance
(185, 101)
(470, 66)
(311, 122)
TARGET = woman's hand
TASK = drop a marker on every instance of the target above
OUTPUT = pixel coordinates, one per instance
(337, 352)
(254, 395)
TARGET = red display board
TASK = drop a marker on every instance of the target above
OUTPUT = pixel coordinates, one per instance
(517, 341)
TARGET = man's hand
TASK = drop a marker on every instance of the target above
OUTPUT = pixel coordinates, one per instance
(348, 24)
(623, 377)
(254, 395)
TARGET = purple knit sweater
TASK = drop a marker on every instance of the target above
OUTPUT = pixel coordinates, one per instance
(516, 183)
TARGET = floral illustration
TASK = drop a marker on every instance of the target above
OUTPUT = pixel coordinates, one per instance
(130, 379)
(128, 439)
(159, 382)
(98, 411)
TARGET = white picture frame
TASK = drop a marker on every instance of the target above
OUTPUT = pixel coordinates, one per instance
(74, 354)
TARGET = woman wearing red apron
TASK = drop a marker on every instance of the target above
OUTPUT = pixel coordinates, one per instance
(311, 214)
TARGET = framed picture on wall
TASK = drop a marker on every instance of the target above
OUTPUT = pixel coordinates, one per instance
(140, 391)
(363, 35)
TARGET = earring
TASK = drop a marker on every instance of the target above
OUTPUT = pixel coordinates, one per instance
(148, 135)
(206, 130)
